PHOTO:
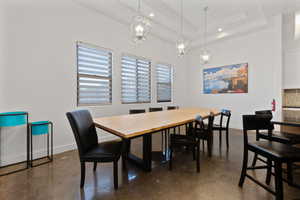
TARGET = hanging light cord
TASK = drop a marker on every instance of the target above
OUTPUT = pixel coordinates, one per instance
(205, 25)
(139, 6)
(181, 20)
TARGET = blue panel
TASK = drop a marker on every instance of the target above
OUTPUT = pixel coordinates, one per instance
(40, 128)
(226, 111)
(199, 118)
(13, 119)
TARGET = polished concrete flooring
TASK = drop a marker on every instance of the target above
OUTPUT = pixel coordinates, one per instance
(218, 178)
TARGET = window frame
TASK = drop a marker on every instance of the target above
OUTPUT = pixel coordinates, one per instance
(150, 77)
(89, 45)
(171, 82)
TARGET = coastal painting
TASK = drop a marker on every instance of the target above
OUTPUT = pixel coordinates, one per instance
(226, 79)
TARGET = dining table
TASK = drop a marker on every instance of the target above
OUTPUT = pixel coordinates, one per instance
(145, 124)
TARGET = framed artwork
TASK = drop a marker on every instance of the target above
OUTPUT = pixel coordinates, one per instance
(226, 79)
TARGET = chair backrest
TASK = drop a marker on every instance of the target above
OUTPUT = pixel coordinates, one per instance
(225, 114)
(255, 122)
(200, 125)
(267, 113)
(172, 107)
(136, 111)
(264, 112)
(155, 109)
(84, 130)
(210, 122)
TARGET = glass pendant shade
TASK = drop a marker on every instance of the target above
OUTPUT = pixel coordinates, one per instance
(140, 28)
(181, 46)
(205, 56)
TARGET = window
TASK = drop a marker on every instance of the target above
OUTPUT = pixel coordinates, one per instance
(94, 74)
(136, 82)
(164, 83)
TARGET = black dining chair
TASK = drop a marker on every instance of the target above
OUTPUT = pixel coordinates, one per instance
(136, 111)
(281, 137)
(225, 117)
(89, 149)
(174, 129)
(205, 133)
(190, 141)
(155, 109)
(172, 107)
(274, 152)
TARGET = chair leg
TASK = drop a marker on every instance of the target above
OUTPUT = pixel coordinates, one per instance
(244, 168)
(278, 181)
(227, 138)
(290, 173)
(254, 160)
(220, 137)
(95, 166)
(116, 175)
(194, 153)
(269, 172)
(82, 174)
(209, 145)
(198, 158)
(171, 158)
(162, 141)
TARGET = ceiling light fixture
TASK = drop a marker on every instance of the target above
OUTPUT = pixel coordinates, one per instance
(205, 54)
(151, 15)
(140, 26)
(220, 29)
(181, 44)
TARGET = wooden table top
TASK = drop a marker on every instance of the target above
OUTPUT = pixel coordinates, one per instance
(128, 126)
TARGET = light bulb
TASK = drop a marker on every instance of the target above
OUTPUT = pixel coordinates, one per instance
(139, 30)
(181, 46)
(205, 57)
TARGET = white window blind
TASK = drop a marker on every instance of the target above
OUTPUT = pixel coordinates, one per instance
(136, 81)
(164, 83)
(94, 68)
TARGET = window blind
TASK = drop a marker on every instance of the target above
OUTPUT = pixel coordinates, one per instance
(136, 81)
(94, 74)
(164, 83)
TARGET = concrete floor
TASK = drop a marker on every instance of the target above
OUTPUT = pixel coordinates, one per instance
(218, 178)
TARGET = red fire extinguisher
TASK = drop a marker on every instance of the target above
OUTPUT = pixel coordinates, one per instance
(273, 105)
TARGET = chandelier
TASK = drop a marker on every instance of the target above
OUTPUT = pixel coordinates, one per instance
(205, 55)
(181, 44)
(140, 26)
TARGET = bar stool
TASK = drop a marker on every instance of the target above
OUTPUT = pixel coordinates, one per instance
(12, 119)
(275, 152)
(41, 128)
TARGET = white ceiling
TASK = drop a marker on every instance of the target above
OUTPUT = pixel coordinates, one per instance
(235, 17)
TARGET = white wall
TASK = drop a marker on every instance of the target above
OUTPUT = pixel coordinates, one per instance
(263, 52)
(291, 53)
(38, 73)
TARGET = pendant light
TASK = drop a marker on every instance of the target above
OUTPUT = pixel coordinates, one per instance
(140, 26)
(205, 54)
(181, 44)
